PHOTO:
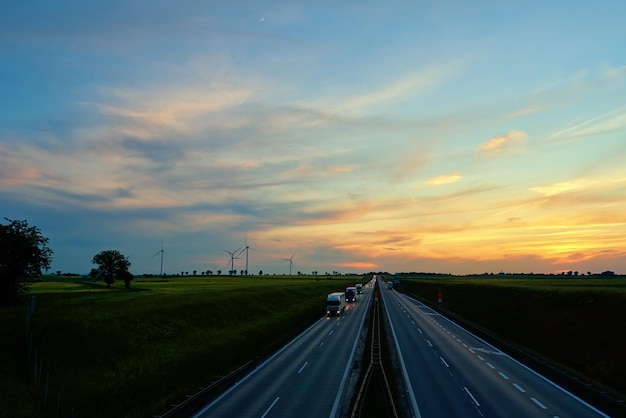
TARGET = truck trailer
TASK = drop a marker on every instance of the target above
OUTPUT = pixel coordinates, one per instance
(335, 303)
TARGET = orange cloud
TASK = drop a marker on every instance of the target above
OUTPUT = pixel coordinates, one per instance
(443, 179)
(359, 265)
(511, 142)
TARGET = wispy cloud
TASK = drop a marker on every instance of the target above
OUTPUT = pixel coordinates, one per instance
(509, 143)
(155, 113)
(523, 112)
(443, 179)
(562, 187)
(411, 86)
(611, 121)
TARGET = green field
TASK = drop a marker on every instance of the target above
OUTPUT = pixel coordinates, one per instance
(578, 324)
(132, 353)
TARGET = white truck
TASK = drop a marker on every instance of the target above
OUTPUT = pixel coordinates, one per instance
(335, 303)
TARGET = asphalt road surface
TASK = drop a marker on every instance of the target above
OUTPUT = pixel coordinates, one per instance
(448, 372)
(305, 379)
(452, 373)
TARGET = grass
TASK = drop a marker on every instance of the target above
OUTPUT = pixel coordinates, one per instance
(113, 352)
(576, 323)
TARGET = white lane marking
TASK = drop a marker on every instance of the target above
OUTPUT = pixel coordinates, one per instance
(420, 331)
(481, 358)
(484, 350)
(270, 407)
(444, 362)
(303, 366)
(518, 387)
(491, 365)
(253, 372)
(429, 343)
(471, 396)
(503, 375)
(542, 406)
(322, 343)
(331, 332)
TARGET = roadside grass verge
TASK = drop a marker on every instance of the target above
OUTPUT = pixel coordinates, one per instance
(576, 324)
(132, 353)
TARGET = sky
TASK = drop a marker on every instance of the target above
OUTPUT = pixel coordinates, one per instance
(355, 136)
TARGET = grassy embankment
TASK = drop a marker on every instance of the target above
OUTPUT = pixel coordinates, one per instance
(112, 352)
(576, 323)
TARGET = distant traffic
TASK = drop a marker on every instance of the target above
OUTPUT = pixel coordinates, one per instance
(336, 302)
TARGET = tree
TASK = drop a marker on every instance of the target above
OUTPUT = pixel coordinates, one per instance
(112, 265)
(23, 254)
(127, 276)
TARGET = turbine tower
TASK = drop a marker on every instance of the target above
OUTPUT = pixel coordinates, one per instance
(290, 259)
(246, 248)
(161, 251)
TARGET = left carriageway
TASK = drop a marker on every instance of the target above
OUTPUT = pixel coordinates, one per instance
(304, 379)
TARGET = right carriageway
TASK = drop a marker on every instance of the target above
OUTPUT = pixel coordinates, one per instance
(453, 373)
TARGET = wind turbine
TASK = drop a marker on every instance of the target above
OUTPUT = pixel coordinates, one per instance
(290, 259)
(161, 251)
(233, 255)
(246, 248)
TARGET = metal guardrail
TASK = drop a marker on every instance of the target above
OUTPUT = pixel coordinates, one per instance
(375, 371)
(194, 402)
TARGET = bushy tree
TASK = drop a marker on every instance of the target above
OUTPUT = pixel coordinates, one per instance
(112, 265)
(23, 254)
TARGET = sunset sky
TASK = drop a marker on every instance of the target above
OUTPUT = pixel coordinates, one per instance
(435, 136)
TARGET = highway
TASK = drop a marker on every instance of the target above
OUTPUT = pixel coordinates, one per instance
(450, 372)
(305, 379)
